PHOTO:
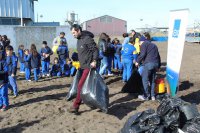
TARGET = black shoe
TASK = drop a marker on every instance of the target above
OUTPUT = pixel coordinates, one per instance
(73, 110)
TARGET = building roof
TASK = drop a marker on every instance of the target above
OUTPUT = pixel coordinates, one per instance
(105, 16)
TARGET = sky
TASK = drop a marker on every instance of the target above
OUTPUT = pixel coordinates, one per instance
(155, 13)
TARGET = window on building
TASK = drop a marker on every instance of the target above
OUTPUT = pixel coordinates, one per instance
(106, 19)
(103, 19)
(109, 19)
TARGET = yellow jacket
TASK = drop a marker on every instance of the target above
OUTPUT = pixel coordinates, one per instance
(76, 64)
(137, 46)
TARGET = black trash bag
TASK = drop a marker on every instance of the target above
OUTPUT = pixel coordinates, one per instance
(144, 122)
(188, 112)
(169, 112)
(134, 84)
(162, 97)
(95, 92)
(192, 126)
(74, 86)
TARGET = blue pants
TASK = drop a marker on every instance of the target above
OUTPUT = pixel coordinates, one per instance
(66, 73)
(22, 67)
(140, 70)
(104, 65)
(117, 62)
(58, 74)
(27, 73)
(62, 64)
(36, 72)
(45, 67)
(110, 59)
(128, 66)
(4, 95)
(12, 85)
(148, 75)
(72, 71)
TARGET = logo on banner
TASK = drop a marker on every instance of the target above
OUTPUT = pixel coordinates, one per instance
(177, 24)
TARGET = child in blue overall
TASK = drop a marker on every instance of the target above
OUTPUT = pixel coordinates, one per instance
(27, 64)
(21, 58)
(35, 63)
(4, 102)
(56, 69)
(11, 61)
(117, 56)
(63, 54)
(127, 59)
(69, 69)
(46, 52)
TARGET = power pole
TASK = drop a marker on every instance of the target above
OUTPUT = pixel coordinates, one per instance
(21, 10)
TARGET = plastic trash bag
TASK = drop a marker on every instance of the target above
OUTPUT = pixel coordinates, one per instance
(144, 122)
(95, 93)
(169, 112)
(134, 84)
(192, 126)
(188, 111)
(74, 86)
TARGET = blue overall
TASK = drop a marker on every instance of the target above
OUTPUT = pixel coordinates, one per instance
(69, 70)
(11, 61)
(27, 63)
(117, 57)
(63, 54)
(3, 84)
(45, 61)
(21, 60)
(35, 64)
(56, 70)
(127, 60)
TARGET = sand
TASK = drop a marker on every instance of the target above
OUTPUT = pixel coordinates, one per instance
(41, 107)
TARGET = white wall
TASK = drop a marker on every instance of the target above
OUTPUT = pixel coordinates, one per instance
(28, 35)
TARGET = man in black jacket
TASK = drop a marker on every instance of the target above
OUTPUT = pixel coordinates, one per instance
(88, 55)
(150, 58)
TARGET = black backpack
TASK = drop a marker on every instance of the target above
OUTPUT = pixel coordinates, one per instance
(110, 50)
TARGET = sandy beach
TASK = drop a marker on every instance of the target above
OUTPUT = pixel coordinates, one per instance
(41, 107)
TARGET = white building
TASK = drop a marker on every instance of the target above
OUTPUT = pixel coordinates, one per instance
(12, 10)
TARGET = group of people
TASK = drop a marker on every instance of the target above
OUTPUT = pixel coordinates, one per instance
(136, 52)
(30, 60)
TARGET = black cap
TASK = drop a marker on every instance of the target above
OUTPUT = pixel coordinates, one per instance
(44, 42)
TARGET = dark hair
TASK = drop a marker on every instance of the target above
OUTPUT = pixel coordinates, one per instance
(147, 36)
(21, 46)
(133, 31)
(76, 27)
(62, 33)
(33, 47)
(132, 40)
(5, 37)
(26, 50)
(9, 48)
(33, 50)
(103, 36)
(109, 39)
(125, 35)
(44, 42)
